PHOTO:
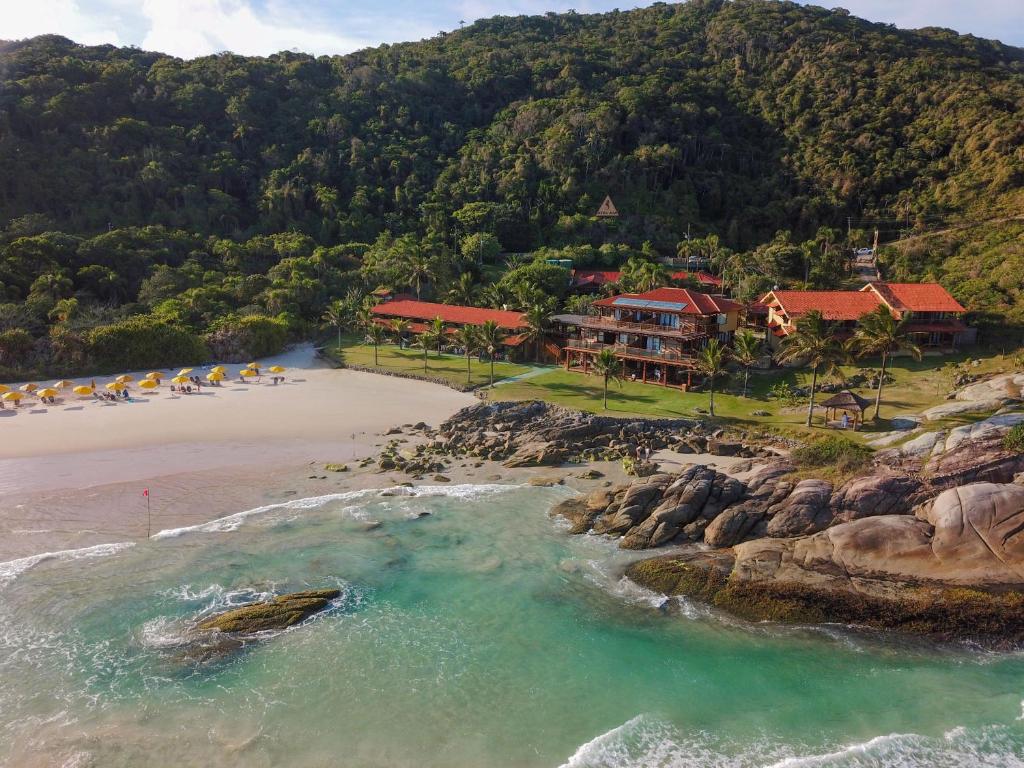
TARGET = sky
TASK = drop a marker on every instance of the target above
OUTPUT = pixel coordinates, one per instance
(190, 28)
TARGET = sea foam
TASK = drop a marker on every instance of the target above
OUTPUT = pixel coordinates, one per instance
(235, 521)
(646, 742)
(12, 569)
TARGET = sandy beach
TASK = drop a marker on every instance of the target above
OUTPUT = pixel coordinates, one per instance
(72, 474)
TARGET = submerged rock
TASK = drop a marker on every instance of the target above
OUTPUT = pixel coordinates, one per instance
(280, 613)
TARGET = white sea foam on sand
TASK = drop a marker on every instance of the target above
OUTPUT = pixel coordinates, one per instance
(12, 569)
(235, 521)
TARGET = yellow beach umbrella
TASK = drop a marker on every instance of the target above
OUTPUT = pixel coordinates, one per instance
(179, 379)
(115, 385)
(4, 388)
(218, 369)
(47, 392)
(215, 376)
(148, 384)
(28, 387)
(253, 365)
(82, 390)
(12, 396)
(277, 369)
(247, 372)
(154, 375)
(64, 384)
(124, 379)
(184, 371)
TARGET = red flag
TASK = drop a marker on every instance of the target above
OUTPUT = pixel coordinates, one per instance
(145, 491)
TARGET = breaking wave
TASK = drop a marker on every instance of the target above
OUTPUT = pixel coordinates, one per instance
(647, 742)
(12, 569)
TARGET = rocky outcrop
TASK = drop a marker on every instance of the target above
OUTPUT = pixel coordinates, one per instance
(954, 569)
(974, 460)
(804, 510)
(540, 434)
(279, 613)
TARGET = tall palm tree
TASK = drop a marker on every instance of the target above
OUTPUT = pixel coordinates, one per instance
(746, 350)
(399, 327)
(536, 319)
(463, 291)
(426, 339)
(335, 316)
(375, 334)
(879, 333)
(418, 268)
(468, 337)
(711, 362)
(608, 366)
(436, 329)
(491, 337)
(814, 343)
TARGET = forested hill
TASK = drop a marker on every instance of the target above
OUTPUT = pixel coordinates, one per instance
(154, 210)
(737, 118)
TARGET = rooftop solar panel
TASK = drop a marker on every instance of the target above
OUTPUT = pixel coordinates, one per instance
(671, 306)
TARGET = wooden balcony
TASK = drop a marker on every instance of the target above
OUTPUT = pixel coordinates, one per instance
(602, 323)
(670, 357)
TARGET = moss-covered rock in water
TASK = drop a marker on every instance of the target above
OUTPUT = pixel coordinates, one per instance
(279, 613)
(993, 619)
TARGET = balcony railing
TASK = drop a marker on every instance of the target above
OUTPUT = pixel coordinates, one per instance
(660, 356)
(603, 323)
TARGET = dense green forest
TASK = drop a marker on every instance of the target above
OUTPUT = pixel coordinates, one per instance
(229, 201)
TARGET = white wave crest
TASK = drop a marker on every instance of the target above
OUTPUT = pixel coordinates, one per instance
(235, 521)
(645, 742)
(12, 569)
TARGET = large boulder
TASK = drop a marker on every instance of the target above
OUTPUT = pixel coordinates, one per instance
(634, 506)
(806, 510)
(279, 613)
(537, 454)
(875, 495)
(981, 459)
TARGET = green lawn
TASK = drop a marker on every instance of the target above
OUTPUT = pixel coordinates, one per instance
(918, 385)
(451, 368)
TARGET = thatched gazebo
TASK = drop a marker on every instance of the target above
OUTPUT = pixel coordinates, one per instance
(846, 402)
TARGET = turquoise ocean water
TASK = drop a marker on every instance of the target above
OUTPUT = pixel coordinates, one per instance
(481, 634)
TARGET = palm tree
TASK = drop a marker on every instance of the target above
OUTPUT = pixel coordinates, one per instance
(399, 327)
(711, 362)
(536, 319)
(746, 351)
(418, 269)
(436, 329)
(814, 343)
(426, 339)
(490, 338)
(463, 291)
(608, 366)
(468, 337)
(879, 333)
(375, 334)
(493, 296)
(334, 315)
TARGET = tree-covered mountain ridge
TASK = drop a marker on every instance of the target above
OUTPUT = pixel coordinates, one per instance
(737, 118)
(153, 208)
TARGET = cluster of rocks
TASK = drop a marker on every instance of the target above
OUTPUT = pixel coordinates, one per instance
(533, 433)
(701, 504)
(931, 545)
(865, 378)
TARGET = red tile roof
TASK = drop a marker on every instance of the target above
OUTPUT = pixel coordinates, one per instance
(704, 278)
(450, 313)
(833, 305)
(695, 303)
(916, 297)
(582, 277)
